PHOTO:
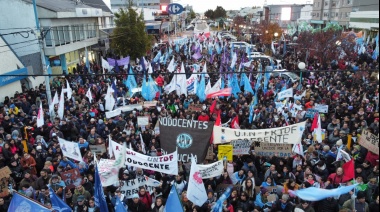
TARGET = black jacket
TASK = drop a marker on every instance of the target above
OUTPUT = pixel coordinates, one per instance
(327, 205)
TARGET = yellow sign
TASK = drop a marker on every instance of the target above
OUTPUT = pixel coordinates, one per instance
(225, 152)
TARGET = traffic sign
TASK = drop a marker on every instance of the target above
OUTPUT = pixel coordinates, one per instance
(175, 9)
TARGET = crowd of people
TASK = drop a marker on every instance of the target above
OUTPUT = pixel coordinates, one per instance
(35, 158)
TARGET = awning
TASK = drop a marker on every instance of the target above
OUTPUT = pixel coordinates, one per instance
(317, 22)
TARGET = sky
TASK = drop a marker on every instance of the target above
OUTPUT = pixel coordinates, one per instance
(201, 6)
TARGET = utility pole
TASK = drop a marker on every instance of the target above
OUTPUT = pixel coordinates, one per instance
(40, 41)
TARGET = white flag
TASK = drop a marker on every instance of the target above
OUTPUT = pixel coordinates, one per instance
(110, 150)
(181, 83)
(205, 71)
(216, 87)
(89, 95)
(40, 116)
(196, 191)
(342, 155)
(142, 144)
(70, 149)
(318, 130)
(285, 94)
(234, 60)
(208, 87)
(110, 100)
(298, 149)
(171, 66)
(69, 90)
(55, 99)
(61, 106)
(106, 65)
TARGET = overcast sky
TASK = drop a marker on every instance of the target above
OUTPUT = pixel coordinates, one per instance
(201, 6)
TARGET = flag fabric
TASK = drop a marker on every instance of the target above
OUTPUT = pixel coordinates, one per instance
(131, 81)
(55, 99)
(68, 90)
(235, 123)
(157, 57)
(201, 89)
(317, 128)
(217, 86)
(110, 149)
(22, 203)
(246, 84)
(181, 82)
(173, 202)
(171, 66)
(100, 199)
(87, 61)
(298, 149)
(343, 156)
(218, 206)
(143, 64)
(89, 95)
(119, 206)
(61, 106)
(70, 149)
(106, 65)
(349, 170)
(109, 99)
(273, 49)
(208, 87)
(223, 92)
(218, 121)
(316, 194)
(212, 107)
(40, 116)
(57, 203)
(143, 148)
(196, 191)
(234, 84)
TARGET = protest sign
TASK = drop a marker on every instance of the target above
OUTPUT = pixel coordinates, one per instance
(190, 137)
(70, 149)
(211, 170)
(142, 120)
(310, 113)
(369, 141)
(321, 108)
(291, 134)
(225, 152)
(107, 172)
(98, 149)
(196, 107)
(210, 153)
(150, 104)
(111, 114)
(167, 164)
(241, 147)
(72, 178)
(268, 149)
(5, 173)
(130, 187)
(285, 94)
(128, 108)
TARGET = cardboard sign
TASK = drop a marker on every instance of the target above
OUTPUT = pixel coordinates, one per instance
(72, 178)
(142, 121)
(321, 108)
(196, 107)
(150, 104)
(310, 113)
(5, 172)
(270, 149)
(241, 147)
(369, 141)
(225, 152)
(98, 148)
(210, 153)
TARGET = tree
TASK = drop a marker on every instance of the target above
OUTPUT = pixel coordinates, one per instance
(192, 14)
(238, 22)
(209, 14)
(328, 44)
(267, 31)
(220, 12)
(129, 37)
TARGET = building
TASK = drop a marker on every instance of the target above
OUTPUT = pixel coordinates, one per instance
(150, 4)
(306, 14)
(334, 11)
(365, 16)
(284, 15)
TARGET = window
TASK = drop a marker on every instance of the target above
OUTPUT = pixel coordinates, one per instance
(66, 30)
(81, 30)
(73, 33)
(334, 3)
(56, 36)
(332, 15)
(348, 15)
(313, 14)
(349, 1)
(48, 38)
(337, 15)
(326, 3)
(325, 14)
(61, 36)
(317, 15)
(319, 4)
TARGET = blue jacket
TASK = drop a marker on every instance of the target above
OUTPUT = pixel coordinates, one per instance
(68, 162)
(260, 203)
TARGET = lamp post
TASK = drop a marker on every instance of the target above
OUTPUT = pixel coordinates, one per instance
(302, 67)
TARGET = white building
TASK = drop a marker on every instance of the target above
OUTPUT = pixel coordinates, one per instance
(306, 14)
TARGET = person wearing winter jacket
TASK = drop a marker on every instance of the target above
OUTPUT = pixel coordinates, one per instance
(305, 206)
(283, 204)
(329, 204)
(158, 205)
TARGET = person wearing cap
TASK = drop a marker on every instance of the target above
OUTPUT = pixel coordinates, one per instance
(359, 204)
(136, 205)
(80, 204)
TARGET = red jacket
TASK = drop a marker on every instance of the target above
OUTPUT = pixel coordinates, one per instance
(160, 81)
(203, 118)
(146, 199)
(308, 105)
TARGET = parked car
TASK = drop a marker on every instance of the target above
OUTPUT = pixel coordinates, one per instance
(286, 75)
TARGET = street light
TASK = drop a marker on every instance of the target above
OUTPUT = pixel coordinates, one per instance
(275, 34)
(302, 67)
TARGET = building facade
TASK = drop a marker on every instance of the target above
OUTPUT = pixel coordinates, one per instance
(284, 15)
(331, 11)
(306, 14)
(365, 16)
(150, 4)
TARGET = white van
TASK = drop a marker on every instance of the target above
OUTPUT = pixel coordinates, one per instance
(242, 44)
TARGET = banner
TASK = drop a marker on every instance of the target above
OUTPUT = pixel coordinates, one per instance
(283, 135)
(142, 120)
(107, 172)
(285, 94)
(310, 113)
(98, 149)
(196, 107)
(369, 141)
(111, 114)
(150, 104)
(167, 164)
(225, 152)
(130, 187)
(72, 178)
(190, 137)
(128, 108)
(321, 108)
(20, 203)
(211, 170)
(270, 149)
(241, 147)
(70, 149)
